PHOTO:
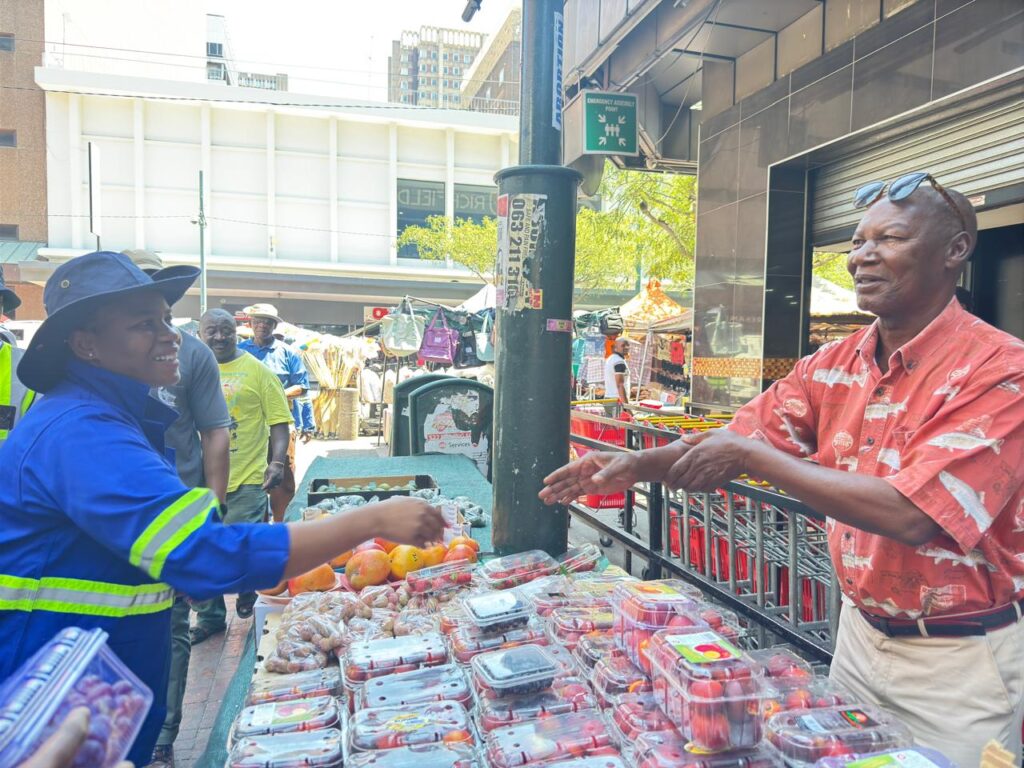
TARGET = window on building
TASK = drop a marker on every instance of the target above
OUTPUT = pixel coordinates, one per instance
(423, 94)
(501, 76)
(215, 71)
(444, 70)
(405, 85)
(417, 200)
(474, 201)
(433, 55)
(6, 41)
(445, 57)
(467, 59)
(8, 231)
(8, 138)
(215, 50)
(458, 70)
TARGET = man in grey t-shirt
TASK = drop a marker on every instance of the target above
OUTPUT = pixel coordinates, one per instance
(201, 443)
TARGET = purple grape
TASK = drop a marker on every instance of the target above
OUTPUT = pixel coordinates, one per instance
(92, 753)
(99, 728)
(123, 687)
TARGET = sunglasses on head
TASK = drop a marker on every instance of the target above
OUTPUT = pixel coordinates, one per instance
(901, 189)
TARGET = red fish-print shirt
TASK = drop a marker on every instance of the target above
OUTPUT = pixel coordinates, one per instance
(945, 426)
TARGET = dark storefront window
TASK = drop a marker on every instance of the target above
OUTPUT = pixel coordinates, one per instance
(473, 201)
(417, 200)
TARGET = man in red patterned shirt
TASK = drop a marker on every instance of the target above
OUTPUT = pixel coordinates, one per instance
(914, 431)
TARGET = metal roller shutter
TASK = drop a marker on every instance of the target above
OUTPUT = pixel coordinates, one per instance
(977, 151)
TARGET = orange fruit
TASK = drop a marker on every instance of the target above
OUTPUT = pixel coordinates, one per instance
(460, 552)
(274, 590)
(320, 579)
(434, 554)
(368, 545)
(464, 541)
(386, 545)
(341, 560)
(367, 568)
(405, 558)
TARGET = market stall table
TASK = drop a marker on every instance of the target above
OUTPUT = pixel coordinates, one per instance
(455, 476)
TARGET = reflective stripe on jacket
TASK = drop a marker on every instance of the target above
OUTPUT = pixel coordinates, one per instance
(12, 391)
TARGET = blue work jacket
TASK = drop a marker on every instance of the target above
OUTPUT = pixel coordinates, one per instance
(285, 362)
(97, 530)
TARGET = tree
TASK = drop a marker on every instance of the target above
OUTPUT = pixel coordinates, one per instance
(832, 267)
(646, 228)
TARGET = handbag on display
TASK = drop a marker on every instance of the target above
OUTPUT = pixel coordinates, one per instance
(440, 343)
(401, 334)
(611, 324)
(467, 355)
(485, 341)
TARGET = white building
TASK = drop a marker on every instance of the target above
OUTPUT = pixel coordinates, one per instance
(304, 195)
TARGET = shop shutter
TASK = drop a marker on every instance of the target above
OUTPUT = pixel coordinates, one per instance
(977, 150)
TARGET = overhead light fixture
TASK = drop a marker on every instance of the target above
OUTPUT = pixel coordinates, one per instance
(472, 6)
(697, 106)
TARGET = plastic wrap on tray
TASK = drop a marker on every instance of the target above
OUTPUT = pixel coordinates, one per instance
(804, 737)
(438, 579)
(74, 669)
(418, 686)
(615, 675)
(908, 757)
(512, 671)
(416, 623)
(707, 687)
(668, 749)
(568, 694)
(312, 626)
(379, 623)
(436, 722)
(785, 694)
(593, 647)
(466, 642)
(296, 750)
(495, 612)
(299, 685)
(279, 717)
(561, 737)
(372, 658)
(570, 622)
(513, 570)
(421, 756)
(580, 559)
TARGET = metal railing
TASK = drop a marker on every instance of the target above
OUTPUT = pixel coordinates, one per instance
(759, 552)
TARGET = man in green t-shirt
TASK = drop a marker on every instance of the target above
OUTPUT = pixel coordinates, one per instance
(259, 412)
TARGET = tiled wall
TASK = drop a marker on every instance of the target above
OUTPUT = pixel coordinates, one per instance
(751, 253)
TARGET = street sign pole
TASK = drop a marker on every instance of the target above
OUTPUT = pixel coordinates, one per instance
(536, 254)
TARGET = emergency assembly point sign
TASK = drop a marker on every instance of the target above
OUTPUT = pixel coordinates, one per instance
(609, 123)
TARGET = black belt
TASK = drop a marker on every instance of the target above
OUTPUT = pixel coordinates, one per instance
(948, 626)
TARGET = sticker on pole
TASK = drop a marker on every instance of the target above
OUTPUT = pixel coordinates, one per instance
(521, 222)
(559, 326)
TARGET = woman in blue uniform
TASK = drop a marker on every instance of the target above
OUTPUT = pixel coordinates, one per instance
(96, 529)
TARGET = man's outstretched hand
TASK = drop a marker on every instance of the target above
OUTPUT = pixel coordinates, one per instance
(601, 472)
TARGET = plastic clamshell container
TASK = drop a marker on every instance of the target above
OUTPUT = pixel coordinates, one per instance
(606, 761)
(495, 612)
(555, 585)
(438, 579)
(297, 685)
(564, 659)
(75, 668)
(580, 559)
(643, 607)
(422, 756)
(616, 675)
(562, 737)
(570, 694)
(911, 757)
(294, 750)
(452, 615)
(781, 662)
(466, 642)
(803, 738)
(593, 647)
(708, 688)
(513, 570)
(417, 686)
(372, 658)
(786, 694)
(636, 713)
(571, 622)
(723, 621)
(668, 749)
(279, 717)
(597, 587)
(513, 671)
(390, 727)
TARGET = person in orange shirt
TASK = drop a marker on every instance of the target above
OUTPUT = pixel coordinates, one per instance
(914, 431)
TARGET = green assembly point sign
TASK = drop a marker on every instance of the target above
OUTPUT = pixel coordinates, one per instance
(609, 123)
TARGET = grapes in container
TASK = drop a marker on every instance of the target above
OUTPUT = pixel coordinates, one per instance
(496, 612)
(417, 686)
(804, 737)
(438, 722)
(513, 671)
(294, 750)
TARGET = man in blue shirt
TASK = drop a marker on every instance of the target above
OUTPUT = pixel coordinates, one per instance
(289, 368)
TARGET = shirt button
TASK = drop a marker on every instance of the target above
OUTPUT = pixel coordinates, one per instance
(879, 392)
(870, 441)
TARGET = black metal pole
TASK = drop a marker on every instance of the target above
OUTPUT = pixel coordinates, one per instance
(536, 255)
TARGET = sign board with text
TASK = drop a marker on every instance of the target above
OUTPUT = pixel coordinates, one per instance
(609, 123)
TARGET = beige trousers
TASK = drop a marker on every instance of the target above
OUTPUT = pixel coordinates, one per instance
(954, 693)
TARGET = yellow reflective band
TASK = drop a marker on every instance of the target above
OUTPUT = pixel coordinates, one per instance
(83, 597)
(6, 374)
(170, 528)
(27, 400)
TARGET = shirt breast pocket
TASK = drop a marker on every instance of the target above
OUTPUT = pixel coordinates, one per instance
(901, 437)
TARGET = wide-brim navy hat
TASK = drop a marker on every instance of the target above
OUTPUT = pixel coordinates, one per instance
(9, 300)
(74, 291)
